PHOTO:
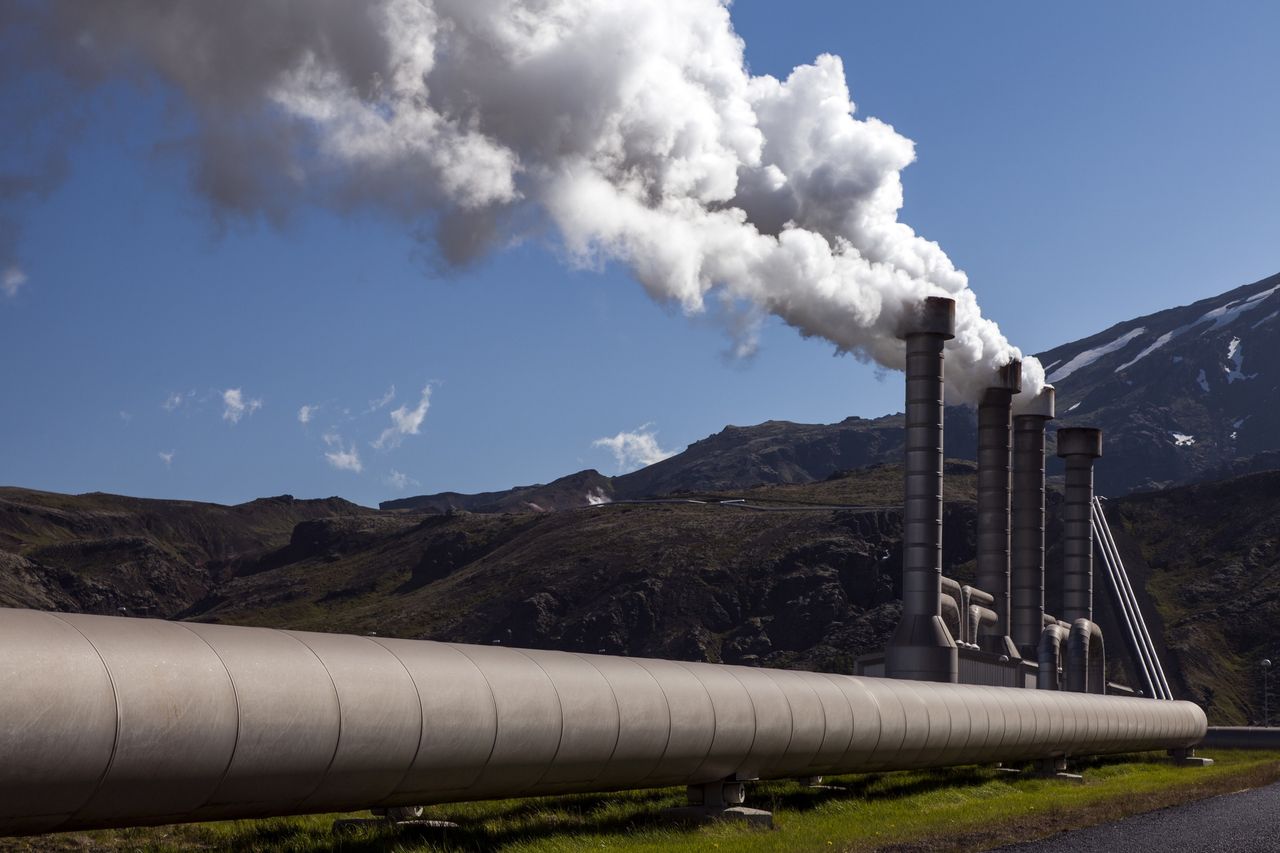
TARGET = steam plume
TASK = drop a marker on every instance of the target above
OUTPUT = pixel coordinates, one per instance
(632, 127)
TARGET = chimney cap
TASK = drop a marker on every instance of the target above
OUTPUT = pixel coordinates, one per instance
(936, 315)
(1039, 406)
(1080, 441)
(1008, 377)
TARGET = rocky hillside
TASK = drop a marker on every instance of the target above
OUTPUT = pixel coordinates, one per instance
(1207, 556)
(771, 453)
(98, 553)
(1182, 394)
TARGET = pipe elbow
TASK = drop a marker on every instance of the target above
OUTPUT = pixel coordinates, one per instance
(1049, 656)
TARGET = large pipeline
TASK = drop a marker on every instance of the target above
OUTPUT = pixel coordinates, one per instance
(110, 722)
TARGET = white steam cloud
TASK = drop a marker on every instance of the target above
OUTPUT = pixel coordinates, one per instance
(634, 449)
(633, 127)
(11, 281)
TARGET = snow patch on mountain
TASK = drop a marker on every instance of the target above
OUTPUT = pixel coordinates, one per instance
(1225, 314)
(1235, 355)
(1182, 439)
(1159, 342)
(1203, 381)
(1089, 356)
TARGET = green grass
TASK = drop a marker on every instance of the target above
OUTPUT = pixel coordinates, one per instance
(966, 808)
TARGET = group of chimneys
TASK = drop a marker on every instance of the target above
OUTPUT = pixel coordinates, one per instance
(1011, 511)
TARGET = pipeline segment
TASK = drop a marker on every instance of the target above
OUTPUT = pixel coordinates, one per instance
(110, 721)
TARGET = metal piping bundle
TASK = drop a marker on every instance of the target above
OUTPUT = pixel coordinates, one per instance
(1028, 522)
(110, 721)
(922, 648)
(995, 430)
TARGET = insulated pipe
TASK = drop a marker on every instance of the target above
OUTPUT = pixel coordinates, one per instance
(953, 592)
(1049, 657)
(1086, 658)
(1079, 446)
(980, 619)
(995, 430)
(1028, 521)
(108, 721)
(922, 648)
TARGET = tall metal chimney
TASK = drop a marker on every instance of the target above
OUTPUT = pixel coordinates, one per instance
(995, 434)
(1028, 522)
(1078, 446)
(922, 648)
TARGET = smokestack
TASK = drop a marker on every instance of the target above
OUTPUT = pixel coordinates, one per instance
(1078, 446)
(922, 648)
(1028, 522)
(995, 435)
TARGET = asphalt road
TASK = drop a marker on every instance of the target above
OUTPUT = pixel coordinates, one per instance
(1247, 822)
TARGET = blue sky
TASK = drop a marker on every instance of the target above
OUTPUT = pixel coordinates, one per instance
(1084, 163)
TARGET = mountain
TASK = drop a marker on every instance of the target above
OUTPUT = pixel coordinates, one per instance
(772, 453)
(98, 553)
(1182, 394)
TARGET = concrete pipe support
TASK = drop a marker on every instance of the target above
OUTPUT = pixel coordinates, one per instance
(1028, 522)
(995, 434)
(109, 722)
(922, 648)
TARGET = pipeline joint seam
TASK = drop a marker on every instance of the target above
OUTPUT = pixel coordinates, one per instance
(337, 701)
(617, 711)
(115, 741)
(559, 704)
(422, 715)
(235, 695)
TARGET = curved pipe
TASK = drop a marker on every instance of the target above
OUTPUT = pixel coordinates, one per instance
(110, 722)
(1086, 658)
(1049, 656)
(952, 617)
(981, 617)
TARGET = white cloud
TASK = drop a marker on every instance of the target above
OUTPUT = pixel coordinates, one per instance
(126, 416)
(634, 449)
(166, 456)
(176, 400)
(405, 421)
(399, 480)
(12, 281)
(236, 406)
(381, 402)
(306, 413)
(340, 456)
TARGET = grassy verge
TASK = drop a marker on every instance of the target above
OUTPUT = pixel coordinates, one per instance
(967, 808)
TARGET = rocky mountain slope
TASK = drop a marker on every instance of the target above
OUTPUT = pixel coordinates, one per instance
(1182, 394)
(98, 553)
(772, 453)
